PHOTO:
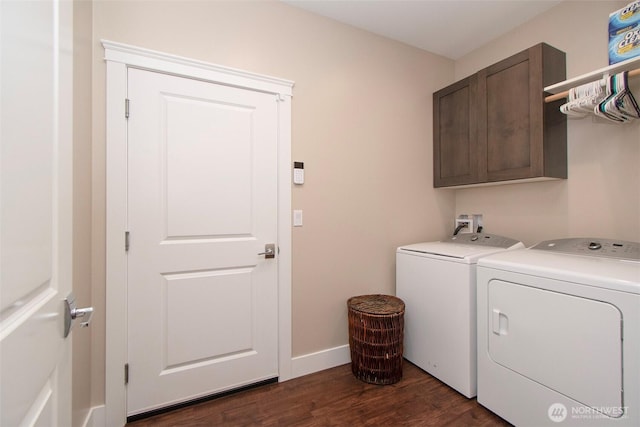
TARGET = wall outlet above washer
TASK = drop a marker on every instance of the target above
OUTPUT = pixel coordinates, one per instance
(464, 224)
(468, 223)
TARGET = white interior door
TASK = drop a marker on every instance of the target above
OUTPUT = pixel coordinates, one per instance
(202, 204)
(35, 205)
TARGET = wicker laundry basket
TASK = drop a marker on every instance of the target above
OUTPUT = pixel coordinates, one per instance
(376, 333)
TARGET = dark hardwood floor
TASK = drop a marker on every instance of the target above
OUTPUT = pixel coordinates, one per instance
(334, 397)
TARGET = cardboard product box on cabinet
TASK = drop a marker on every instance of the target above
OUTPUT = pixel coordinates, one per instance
(624, 33)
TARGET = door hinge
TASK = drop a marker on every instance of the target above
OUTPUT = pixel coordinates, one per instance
(126, 373)
(126, 241)
(126, 108)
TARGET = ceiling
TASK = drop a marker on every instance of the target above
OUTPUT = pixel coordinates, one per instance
(451, 28)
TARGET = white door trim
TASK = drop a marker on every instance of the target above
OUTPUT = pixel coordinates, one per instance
(119, 57)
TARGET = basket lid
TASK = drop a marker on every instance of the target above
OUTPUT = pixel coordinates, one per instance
(376, 304)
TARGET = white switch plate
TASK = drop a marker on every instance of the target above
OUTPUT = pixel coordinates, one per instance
(297, 218)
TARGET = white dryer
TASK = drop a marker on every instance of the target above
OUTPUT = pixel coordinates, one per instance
(559, 333)
(437, 282)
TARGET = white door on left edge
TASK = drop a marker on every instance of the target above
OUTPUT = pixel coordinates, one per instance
(35, 208)
(202, 204)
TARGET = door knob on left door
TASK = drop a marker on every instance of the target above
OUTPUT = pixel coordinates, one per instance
(71, 312)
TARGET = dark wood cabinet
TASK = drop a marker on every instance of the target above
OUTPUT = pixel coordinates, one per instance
(455, 123)
(494, 126)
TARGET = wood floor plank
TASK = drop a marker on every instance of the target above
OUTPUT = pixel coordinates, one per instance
(334, 397)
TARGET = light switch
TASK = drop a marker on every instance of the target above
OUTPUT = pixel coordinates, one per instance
(297, 218)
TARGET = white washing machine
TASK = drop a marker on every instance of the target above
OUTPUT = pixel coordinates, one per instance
(437, 282)
(559, 333)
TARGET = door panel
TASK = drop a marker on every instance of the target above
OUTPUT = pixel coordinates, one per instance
(459, 158)
(508, 113)
(201, 168)
(202, 313)
(209, 315)
(570, 344)
(35, 206)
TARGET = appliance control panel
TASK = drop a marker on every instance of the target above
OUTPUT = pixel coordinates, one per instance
(483, 239)
(607, 248)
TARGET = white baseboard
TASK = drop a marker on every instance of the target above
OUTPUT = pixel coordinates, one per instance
(320, 360)
(96, 417)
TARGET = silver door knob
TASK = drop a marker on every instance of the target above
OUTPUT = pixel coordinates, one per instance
(85, 313)
(269, 251)
(71, 312)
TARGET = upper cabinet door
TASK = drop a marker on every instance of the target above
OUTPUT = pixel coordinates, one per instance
(495, 126)
(514, 123)
(457, 156)
(508, 110)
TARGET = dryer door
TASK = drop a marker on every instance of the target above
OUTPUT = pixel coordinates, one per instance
(567, 343)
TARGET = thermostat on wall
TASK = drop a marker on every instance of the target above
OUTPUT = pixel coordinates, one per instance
(298, 172)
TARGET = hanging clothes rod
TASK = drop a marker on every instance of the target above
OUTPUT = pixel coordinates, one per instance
(560, 95)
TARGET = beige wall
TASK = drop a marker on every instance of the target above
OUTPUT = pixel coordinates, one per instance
(601, 197)
(361, 123)
(82, 42)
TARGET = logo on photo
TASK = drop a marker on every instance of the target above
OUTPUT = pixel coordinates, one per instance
(557, 412)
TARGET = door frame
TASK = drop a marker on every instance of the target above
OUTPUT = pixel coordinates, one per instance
(119, 58)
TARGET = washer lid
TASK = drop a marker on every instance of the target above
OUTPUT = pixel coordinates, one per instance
(465, 248)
